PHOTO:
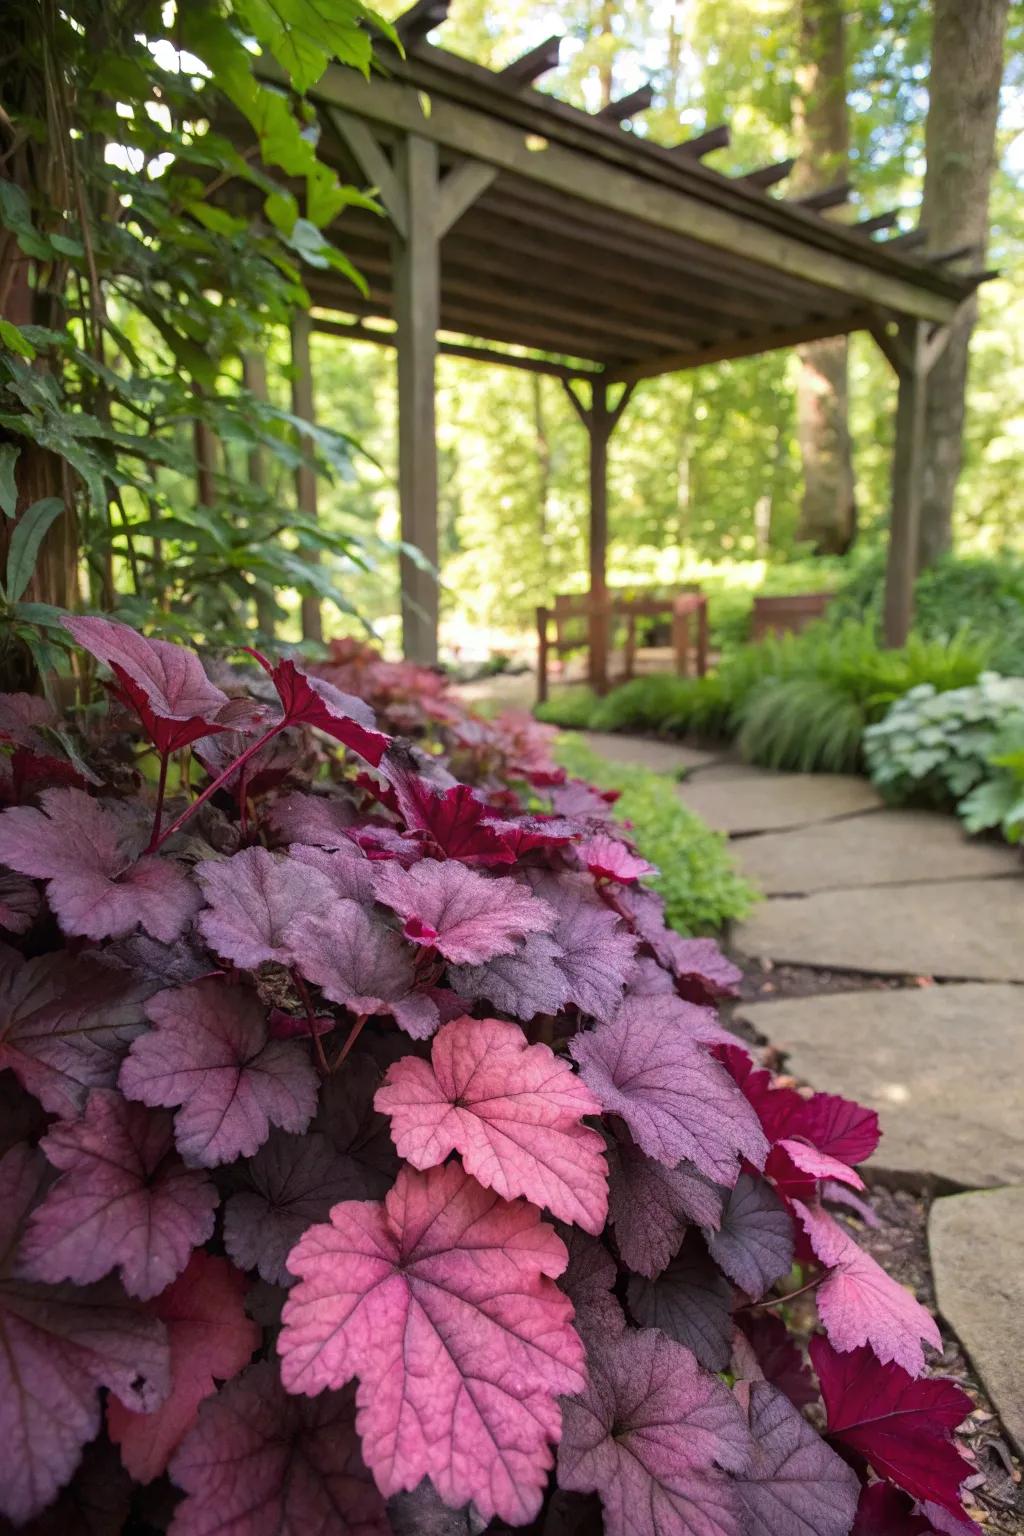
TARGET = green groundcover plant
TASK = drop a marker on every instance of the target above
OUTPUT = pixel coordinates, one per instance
(371, 1147)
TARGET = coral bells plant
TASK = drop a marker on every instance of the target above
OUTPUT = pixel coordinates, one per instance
(372, 1146)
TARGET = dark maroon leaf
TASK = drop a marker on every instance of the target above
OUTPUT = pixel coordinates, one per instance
(20, 902)
(291, 1182)
(294, 1460)
(123, 1200)
(308, 700)
(655, 1436)
(796, 1485)
(588, 1281)
(65, 1025)
(96, 1502)
(210, 1053)
(902, 1426)
(754, 1241)
(357, 1131)
(359, 962)
(779, 1357)
(885, 1511)
(454, 822)
(650, 1206)
(691, 1302)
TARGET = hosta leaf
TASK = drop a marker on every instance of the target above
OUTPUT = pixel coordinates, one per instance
(441, 1301)
(58, 1346)
(858, 1303)
(96, 887)
(252, 897)
(512, 1111)
(210, 1053)
(691, 1302)
(360, 963)
(209, 1337)
(65, 1025)
(903, 1427)
(650, 1206)
(677, 1102)
(796, 1485)
(468, 917)
(655, 1436)
(291, 1183)
(294, 1466)
(754, 1241)
(123, 1200)
(165, 683)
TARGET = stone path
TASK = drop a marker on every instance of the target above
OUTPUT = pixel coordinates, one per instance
(853, 886)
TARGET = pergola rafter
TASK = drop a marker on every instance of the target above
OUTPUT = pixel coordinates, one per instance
(574, 247)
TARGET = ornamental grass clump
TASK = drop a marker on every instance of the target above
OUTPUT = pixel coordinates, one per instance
(370, 1137)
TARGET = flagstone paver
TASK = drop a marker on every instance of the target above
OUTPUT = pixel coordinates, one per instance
(766, 802)
(890, 849)
(942, 1065)
(645, 752)
(977, 1252)
(961, 929)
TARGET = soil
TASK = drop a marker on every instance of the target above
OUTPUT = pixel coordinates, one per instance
(994, 1495)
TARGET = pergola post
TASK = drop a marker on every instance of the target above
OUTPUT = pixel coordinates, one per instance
(600, 420)
(305, 475)
(417, 312)
(912, 352)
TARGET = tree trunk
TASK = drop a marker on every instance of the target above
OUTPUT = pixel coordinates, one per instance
(963, 106)
(828, 513)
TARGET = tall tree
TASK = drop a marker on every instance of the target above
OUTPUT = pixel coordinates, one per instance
(963, 108)
(828, 513)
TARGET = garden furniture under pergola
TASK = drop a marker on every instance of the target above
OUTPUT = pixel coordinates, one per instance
(521, 231)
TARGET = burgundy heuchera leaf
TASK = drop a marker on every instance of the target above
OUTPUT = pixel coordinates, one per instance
(97, 888)
(441, 1301)
(123, 1200)
(512, 1111)
(165, 683)
(466, 916)
(252, 898)
(58, 1346)
(308, 700)
(651, 1206)
(293, 1464)
(210, 1052)
(903, 1427)
(209, 1336)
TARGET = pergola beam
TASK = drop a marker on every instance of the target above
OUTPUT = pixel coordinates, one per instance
(373, 161)
(769, 175)
(677, 362)
(355, 331)
(704, 143)
(420, 19)
(628, 106)
(829, 197)
(878, 222)
(530, 66)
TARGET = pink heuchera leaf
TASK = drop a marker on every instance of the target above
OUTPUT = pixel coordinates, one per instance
(291, 1183)
(164, 683)
(123, 1200)
(308, 700)
(651, 1206)
(779, 1357)
(470, 917)
(261, 1461)
(382, 1286)
(608, 858)
(903, 1427)
(360, 963)
(858, 1303)
(789, 1154)
(210, 1337)
(65, 1025)
(795, 1485)
(252, 897)
(676, 1100)
(691, 1302)
(654, 1436)
(885, 1511)
(512, 1111)
(754, 1241)
(58, 1346)
(97, 888)
(210, 1052)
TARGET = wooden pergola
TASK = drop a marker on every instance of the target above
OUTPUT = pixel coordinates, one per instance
(522, 231)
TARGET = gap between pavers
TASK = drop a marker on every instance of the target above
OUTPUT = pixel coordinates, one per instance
(963, 930)
(976, 1243)
(942, 1065)
(893, 848)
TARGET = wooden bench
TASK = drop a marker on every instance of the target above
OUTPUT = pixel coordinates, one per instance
(575, 618)
(787, 615)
